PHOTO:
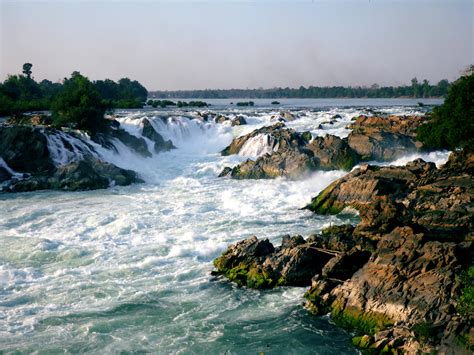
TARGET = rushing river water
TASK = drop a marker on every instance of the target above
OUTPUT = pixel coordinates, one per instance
(128, 268)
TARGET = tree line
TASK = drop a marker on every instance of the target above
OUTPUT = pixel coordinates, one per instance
(416, 89)
(21, 93)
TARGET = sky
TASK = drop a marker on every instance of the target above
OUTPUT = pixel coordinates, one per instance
(198, 44)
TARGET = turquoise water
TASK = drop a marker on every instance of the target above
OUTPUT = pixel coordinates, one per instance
(128, 268)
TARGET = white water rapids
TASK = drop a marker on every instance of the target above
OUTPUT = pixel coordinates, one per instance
(127, 268)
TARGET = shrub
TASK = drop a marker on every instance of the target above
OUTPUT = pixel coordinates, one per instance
(452, 123)
(79, 105)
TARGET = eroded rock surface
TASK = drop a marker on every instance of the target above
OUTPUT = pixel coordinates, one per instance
(372, 138)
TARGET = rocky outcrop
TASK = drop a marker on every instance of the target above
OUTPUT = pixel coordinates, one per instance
(384, 138)
(238, 121)
(258, 264)
(279, 137)
(396, 278)
(407, 294)
(288, 153)
(372, 138)
(285, 162)
(89, 174)
(332, 153)
(437, 201)
(25, 149)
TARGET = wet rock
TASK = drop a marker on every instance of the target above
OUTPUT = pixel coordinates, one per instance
(289, 163)
(279, 136)
(159, 143)
(238, 121)
(332, 153)
(25, 149)
(417, 194)
(288, 116)
(258, 264)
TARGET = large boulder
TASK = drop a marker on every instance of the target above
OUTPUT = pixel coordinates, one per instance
(384, 138)
(288, 162)
(25, 149)
(332, 153)
(257, 264)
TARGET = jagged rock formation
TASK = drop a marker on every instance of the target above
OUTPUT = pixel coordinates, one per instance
(384, 138)
(436, 201)
(290, 153)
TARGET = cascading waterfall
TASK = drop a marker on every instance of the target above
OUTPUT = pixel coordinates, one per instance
(259, 145)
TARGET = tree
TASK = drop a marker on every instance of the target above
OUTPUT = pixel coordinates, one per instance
(452, 124)
(79, 105)
(27, 69)
(415, 87)
(426, 88)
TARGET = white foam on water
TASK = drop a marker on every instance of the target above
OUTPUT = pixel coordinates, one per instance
(259, 145)
(439, 157)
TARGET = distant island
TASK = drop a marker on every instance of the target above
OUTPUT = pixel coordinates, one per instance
(415, 90)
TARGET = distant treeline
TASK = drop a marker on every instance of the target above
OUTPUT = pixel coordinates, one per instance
(416, 90)
(21, 93)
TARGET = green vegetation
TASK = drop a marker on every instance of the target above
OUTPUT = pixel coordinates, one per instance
(21, 93)
(192, 104)
(160, 103)
(324, 204)
(79, 105)
(415, 90)
(466, 301)
(364, 322)
(452, 124)
(245, 103)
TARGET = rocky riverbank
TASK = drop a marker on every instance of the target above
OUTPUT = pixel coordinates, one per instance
(399, 277)
(285, 152)
(35, 156)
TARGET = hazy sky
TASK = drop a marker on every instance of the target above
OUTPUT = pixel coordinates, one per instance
(238, 44)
